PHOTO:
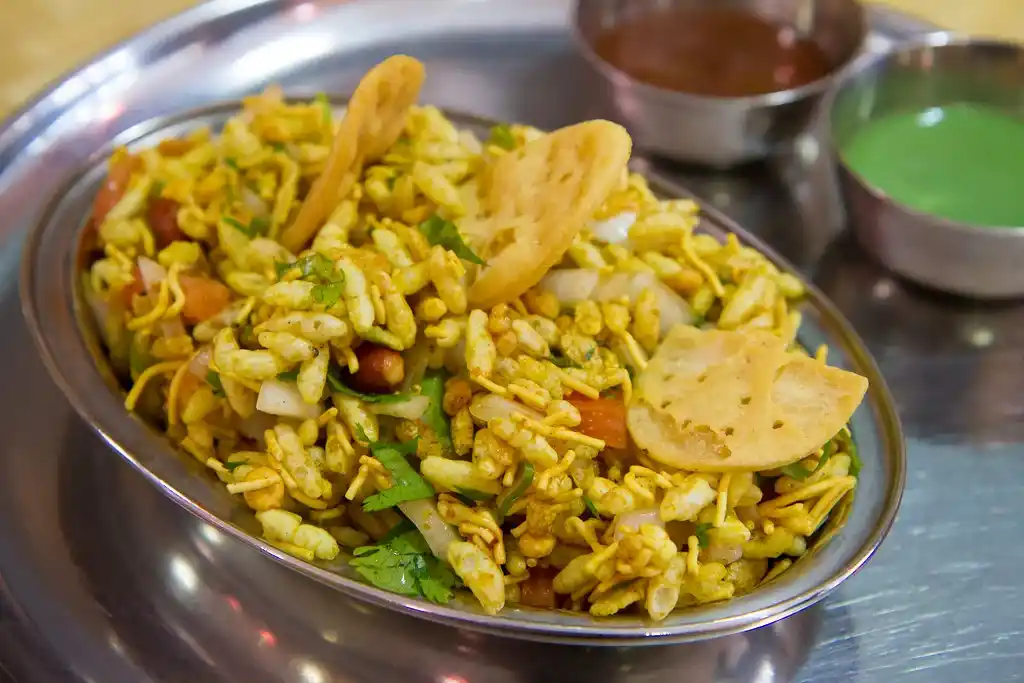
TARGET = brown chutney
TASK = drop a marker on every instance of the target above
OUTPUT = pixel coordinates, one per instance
(720, 52)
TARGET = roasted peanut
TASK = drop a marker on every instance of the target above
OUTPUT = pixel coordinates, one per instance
(380, 369)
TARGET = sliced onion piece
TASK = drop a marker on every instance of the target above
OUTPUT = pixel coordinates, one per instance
(635, 519)
(571, 285)
(152, 273)
(256, 425)
(283, 398)
(437, 533)
(253, 202)
(486, 407)
(200, 363)
(409, 409)
(173, 327)
(614, 230)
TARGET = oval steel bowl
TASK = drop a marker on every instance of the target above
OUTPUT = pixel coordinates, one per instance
(719, 131)
(933, 71)
(65, 336)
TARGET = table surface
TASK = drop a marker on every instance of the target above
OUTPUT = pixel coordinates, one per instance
(41, 39)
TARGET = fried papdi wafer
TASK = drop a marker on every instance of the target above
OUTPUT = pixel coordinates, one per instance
(536, 199)
(721, 400)
(373, 121)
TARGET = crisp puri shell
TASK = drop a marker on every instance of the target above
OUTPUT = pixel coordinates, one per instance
(373, 121)
(718, 401)
(536, 199)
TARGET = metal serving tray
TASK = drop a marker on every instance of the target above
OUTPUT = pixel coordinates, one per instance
(104, 579)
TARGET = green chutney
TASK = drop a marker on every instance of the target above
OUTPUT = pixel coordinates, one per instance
(963, 162)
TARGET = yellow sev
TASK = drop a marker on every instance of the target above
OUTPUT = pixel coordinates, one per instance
(702, 267)
(149, 373)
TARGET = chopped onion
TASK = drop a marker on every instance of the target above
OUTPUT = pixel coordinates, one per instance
(100, 310)
(200, 364)
(172, 327)
(283, 398)
(489, 406)
(672, 308)
(253, 202)
(255, 426)
(726, 554)
(409, 409)
(436, 532)
(614, 230)
(152, 273)
(571, 285)
(635, 519)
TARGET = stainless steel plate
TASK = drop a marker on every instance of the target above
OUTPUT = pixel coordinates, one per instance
(104, 579)
(58, 318)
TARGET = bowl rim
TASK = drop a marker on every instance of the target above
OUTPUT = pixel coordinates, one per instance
(934, 40)
(620, 78)
(131, 438)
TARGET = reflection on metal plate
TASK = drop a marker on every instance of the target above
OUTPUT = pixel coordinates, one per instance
(104, 579)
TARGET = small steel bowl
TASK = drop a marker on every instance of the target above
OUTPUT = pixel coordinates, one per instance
(719, 131)
(68, 340)
(937, 70)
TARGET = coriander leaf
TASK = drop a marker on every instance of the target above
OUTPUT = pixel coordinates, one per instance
(232, 465)
(856, 464)
(230, 161)
(325, 105)
(437, 230)
(795, 471)
(520, 486)
(473, 495)
(404, 526)
(590, 353)
(247, 337)
(402, 563)
(502, 136)
(319, 266)
(386, 569)
(437, 580)
(278, 146)
(336, 385)
(259, 225)
(328, 293)
(798, 471)
(139, 357)
(590, 506)
(405, 447)
(702, 534)
(157, 188)
(432, 386)
(213, 379)
(281, 268)
(406, 482)
(254, 229)
(563, 362)
(288, 375)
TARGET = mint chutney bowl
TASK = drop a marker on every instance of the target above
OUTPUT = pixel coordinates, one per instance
(928, 139)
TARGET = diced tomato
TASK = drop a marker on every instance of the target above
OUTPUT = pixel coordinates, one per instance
(602, 418)
(539, 589)
(136, 287)
(204, 298)
(174, 147)
(114, 186)
(162, 216)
